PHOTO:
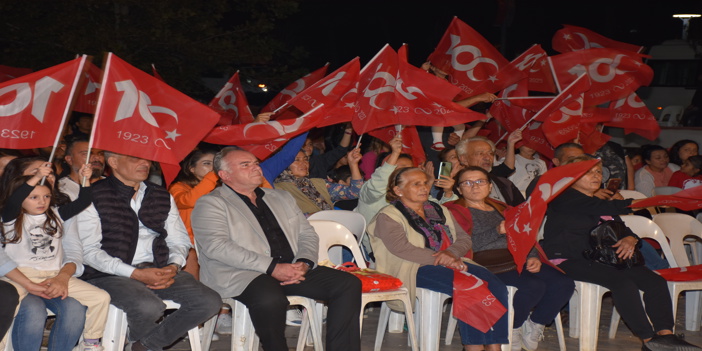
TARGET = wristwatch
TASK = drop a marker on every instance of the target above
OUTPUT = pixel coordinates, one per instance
(177, 266)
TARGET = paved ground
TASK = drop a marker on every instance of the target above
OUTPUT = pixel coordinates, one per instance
(623, 342)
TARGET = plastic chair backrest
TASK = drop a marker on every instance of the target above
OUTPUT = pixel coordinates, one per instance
(632, 194)
(676, 226)
(353, 221)
(646, 228)
(671, 115)
(332, 233)
(665, 190)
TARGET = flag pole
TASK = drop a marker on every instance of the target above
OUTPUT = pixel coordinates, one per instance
(103, 86)
(69, 106)
(537, 114)
(553, 73)
(525, 97)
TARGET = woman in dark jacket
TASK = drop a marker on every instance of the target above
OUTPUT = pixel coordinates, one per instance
(571, 216)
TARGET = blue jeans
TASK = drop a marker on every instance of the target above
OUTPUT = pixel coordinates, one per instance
(28, 329)
(145, 307)
(440, 279)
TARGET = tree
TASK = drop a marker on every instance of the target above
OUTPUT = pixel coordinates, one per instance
(185, 39)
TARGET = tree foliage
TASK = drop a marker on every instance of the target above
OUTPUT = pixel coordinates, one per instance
(184, 39)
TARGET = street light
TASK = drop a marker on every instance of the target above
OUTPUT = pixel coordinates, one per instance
(685, 17)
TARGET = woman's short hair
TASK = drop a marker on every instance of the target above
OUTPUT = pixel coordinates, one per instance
(460, 173)
(648, 149)
(396, 178)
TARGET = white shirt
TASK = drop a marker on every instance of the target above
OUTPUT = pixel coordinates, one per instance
(177, 240)
(45, 252)
(525, 170)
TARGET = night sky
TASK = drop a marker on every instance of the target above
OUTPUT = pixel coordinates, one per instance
(336, 31)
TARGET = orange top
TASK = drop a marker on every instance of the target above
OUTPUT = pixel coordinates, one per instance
(186, 196)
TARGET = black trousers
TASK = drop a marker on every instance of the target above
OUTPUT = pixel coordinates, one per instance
(267, 303)
(10, 299)
(625, 285)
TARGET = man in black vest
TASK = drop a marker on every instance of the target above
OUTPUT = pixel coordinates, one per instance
(135, 245)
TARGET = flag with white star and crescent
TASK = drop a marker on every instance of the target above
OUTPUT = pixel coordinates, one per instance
(523, 222)
(141, 116)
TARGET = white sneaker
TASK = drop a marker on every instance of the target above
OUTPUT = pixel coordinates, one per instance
(224, 324)
(293, 317)
(90, 347)
(532, 333)
(516, 339)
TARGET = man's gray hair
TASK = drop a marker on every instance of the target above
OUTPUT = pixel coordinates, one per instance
(108, 154)
(462, 146)
(218, 162)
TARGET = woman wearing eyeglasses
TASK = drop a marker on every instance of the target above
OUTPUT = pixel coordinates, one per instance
(543, 290)
(418, 241)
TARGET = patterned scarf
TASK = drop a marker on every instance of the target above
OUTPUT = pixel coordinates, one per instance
(304, 184)
(433, 228)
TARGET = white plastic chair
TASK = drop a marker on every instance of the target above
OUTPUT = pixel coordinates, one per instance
(671, 115)
(632, 194)
(115, 333)
(353, 221)
(665, 190)
(332, 233)
(677, 227)
(511, 290)
(244, 336)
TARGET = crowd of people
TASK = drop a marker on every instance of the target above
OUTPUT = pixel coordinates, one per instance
(91, 228)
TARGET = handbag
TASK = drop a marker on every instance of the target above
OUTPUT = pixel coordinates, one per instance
(371, 280)
(606, 234)
(496, 260)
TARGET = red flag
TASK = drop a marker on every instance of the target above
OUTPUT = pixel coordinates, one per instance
(10, 73)
(139, 115)
(540, 73)
(429, 97)
(591, 138)
(632, 114)
(533, 137)
(295, 88)
(572, 38)
(523, 222)
(569, 94)
(411, 144)
(614, 74)
(262, 132)
(394, 92)
(594, 114)
(33, 107)
(687, 200)
(336, 91)
(510, 112)
(231, 103)
(88, 89)
(470, 61)
(562, 126)
(473, 303)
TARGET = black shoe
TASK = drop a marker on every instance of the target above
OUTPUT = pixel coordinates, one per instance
(670, 342)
